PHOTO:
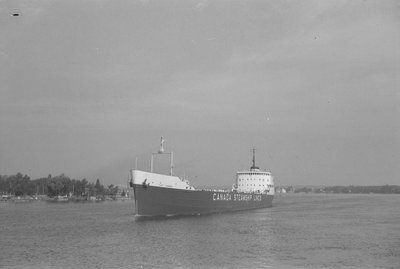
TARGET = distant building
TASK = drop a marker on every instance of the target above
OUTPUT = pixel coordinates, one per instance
(123, 192)
(280, 190)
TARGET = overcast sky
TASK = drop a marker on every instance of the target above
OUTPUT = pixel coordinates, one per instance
(88, 86)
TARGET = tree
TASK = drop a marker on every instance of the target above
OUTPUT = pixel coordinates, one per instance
(55, 187)
(21, 185)
(112, 190)
(99, 188)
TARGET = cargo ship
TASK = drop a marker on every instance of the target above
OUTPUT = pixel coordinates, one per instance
(168, 195)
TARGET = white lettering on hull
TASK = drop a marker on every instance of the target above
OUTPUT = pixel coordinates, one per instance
(217, 196)
(222, 196)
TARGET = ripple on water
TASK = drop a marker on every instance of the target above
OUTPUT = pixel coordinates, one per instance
(299, 231)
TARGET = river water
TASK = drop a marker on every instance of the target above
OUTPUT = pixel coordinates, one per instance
(299, 231)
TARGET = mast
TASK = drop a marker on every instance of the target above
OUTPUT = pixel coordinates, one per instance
(254, 160)
(161, 151)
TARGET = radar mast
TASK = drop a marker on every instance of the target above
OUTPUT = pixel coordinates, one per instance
(254, 160)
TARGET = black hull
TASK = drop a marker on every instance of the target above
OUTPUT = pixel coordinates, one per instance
(158, 201)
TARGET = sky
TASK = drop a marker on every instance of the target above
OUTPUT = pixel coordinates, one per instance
(88, 86)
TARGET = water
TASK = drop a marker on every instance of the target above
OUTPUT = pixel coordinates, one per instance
(300, 231)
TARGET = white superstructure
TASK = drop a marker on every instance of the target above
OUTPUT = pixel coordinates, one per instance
(158, 180)
(254, 180)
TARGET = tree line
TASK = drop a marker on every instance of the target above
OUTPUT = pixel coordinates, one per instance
(22, 185)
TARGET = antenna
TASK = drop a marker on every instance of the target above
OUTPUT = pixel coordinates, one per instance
(254, 159)
(161, 151)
